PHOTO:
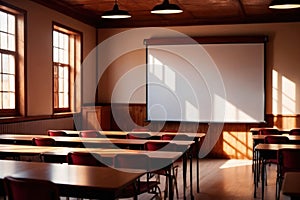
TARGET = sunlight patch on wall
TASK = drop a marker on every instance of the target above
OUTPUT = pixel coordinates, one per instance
(237, 144)
(288, 96)
(192, 112)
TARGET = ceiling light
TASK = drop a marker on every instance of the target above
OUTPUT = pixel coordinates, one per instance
(284, 4)
(116, 13)
(166, 8)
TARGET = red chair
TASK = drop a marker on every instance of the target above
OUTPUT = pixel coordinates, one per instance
(56, 133)
(140, 129)
(30, 189)
(137, 162)
(85, 158)
(268, 131)
(90, 134)
(138, 136)
(289, 161)
(295, 131)
(175, 137)
(165, 146)
(39, 141)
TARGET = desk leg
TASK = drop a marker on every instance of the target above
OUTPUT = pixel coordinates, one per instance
(255, 172)
(191, 176)
(171, 194)
(184, 169)
(263, 178)
(198, 184)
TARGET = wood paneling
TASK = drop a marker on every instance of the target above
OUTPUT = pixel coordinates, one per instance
(235, 141)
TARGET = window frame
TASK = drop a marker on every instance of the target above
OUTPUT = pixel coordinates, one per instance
(19, 59)
(75, 58)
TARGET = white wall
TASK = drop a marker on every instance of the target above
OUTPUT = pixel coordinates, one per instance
(283, 50)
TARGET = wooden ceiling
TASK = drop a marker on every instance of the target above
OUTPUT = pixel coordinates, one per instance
(195, 12)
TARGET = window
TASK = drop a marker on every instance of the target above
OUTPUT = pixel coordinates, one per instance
(11, 61)
(66, 61)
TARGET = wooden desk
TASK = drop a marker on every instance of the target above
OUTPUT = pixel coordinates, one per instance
(291, 185)
(260, 151)
(73, 181)
(159, 159)
(254, 131)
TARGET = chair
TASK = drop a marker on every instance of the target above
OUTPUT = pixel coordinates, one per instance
(295, 131)
(165, 146)
(137, 162)
(138, 136)
(30, 189)
(38, 141)
(85, 158)
(289, 161)
(271, 157)
(268, 131)
(140, 129)
(89, 134)
(56, 133)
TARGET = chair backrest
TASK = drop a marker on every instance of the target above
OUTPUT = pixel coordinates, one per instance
(132, 161)
(56, 133)
(38, 141)
(160, 146)
(175, 137)
(90, 134)
(138, 136)
(30, 189)
(140, 129)
(289, 160)
(295, 131)
(268, 131)
(271, 139)
(84, 158)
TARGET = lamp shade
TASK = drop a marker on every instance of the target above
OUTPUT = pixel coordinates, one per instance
(166, 8)
(116, 13)
(284, 4)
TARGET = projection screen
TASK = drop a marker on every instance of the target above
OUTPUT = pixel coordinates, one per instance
(214, 82)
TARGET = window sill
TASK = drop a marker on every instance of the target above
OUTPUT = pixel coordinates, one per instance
(15, 119)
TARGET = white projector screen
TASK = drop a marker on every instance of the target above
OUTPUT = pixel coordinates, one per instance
(222, 82)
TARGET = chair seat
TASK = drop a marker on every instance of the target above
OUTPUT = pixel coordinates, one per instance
(140, 188)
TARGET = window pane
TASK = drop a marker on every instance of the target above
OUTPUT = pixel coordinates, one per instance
(55, 54)
(11, 24)
(11, 42)
(55, 38)
(66, 100)
(61, 85)
(61, 100)
(8, 100)
(3, 21)
(3, 41)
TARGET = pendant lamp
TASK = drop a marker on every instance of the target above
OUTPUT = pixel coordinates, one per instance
(166, 8)
(284, 4)
(116, 13)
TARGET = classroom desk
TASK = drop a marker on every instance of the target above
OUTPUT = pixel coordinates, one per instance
(260, 151)
(257, 139)
(72, 180)
(254, 131)
(291, 185)
(161, 159)
(101, 143)
(155, 135)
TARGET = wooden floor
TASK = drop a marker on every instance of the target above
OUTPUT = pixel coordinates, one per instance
(226, 180)
(229, 180)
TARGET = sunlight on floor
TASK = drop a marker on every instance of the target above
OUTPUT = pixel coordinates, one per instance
(236, 163)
